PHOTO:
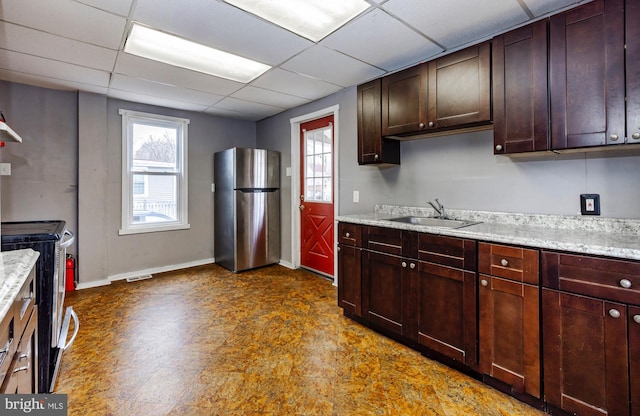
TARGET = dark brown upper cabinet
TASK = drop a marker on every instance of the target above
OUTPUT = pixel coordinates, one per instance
(587, 76)
(520, 98)
(632, 13)
(404, 101)
(460, 88)
(447, 93)
(372, 147)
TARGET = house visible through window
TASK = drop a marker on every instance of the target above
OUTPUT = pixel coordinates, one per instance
(154, 172)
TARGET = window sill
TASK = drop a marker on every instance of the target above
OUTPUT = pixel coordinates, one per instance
(141, 229)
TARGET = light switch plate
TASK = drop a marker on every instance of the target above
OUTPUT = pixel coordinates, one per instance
(5, 169)
(590, 204)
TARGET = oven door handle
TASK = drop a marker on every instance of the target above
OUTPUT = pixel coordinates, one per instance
(66, 243)
(76, 325)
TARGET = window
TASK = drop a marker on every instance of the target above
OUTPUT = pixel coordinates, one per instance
(154, 173)
(318, 167)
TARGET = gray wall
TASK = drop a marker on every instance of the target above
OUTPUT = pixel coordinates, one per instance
(462, 172)
(44, 168)
(68, 168)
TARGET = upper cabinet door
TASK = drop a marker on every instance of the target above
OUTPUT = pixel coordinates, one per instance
(587, 76)
(633, 71)
(460, 88)
(520, 103)
(404, 101)
(372, 148)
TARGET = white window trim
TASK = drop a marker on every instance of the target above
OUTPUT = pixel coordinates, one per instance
(182, 223)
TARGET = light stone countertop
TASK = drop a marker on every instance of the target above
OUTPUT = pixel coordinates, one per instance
(15, 266)
(580, 234)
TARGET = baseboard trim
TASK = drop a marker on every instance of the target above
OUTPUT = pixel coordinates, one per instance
(287, 264)
(144, 272)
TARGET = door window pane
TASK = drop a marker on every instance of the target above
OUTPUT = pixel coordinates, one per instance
(318, 165)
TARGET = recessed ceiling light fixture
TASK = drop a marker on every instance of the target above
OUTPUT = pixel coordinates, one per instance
(173, 50)
(313, 19)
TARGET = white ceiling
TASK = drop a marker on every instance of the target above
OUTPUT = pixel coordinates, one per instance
(77, 45)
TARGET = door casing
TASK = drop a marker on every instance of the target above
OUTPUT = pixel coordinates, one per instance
(295, 181)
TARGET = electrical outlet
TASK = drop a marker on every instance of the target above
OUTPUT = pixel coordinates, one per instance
(356, 196)
(590, 204)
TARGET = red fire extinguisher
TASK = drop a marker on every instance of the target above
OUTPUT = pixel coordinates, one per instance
(70, 273)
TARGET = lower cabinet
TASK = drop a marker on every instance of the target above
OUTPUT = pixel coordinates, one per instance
(586, 367)
(349, 281)
(509, 317)
(591, 333)
(446, 304)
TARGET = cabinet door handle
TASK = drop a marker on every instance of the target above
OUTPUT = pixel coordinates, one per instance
(421, 125)
(412, 265)
(498, 148)
(614, 137)
(376, 157)
(504, 262)
(338, 248)
(347, 235)
(614, 313)
(404, 264)
(431, 124)
(484, 282)
(25, 368)
(636, 319)
(625, 283)
(635, 136)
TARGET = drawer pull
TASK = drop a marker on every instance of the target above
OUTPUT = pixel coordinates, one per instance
(23, 357)
(625, 283)
(636, 319)
(484, 282)
(404, 264)
(412, 265)
(504, 262)
(24, 368)
(347, 235)
(614, 313)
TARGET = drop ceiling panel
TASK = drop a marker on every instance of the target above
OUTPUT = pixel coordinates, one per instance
(137, 67)
(247, 107)
(151, 100)
(33, 42)
(457, 22)
(222, 26)
(542, 7)
(155, 89)
(46, 82)
(120, 7)
(380, 40)
(34, 65)
(67, 18)
(295, 84)
(332, 66)
(273, 98)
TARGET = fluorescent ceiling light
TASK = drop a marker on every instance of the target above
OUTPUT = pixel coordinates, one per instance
(173, 50)
(313, 19)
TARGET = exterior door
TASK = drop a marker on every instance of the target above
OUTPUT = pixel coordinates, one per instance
(316, 195)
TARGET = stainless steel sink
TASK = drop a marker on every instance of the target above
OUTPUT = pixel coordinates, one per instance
(434, 222)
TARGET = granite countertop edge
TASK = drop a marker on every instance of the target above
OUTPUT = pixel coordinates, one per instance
(15, 266)
(609, 237)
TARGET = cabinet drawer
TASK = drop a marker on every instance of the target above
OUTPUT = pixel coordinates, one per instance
(514, 263)
(384, 240)
(349, 234)
(447, 251)
(23, 305)
(7, 345)
(616, 280)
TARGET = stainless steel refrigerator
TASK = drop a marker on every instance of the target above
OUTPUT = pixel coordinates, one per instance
(246, 208)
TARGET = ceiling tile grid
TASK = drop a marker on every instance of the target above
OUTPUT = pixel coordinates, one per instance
(78, 45)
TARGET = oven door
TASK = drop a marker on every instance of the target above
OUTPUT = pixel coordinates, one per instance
(59, 282)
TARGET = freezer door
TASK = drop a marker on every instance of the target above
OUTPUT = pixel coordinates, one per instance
(257, 229)
(257, 168)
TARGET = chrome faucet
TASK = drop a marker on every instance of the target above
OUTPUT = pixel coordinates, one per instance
(439, 209)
